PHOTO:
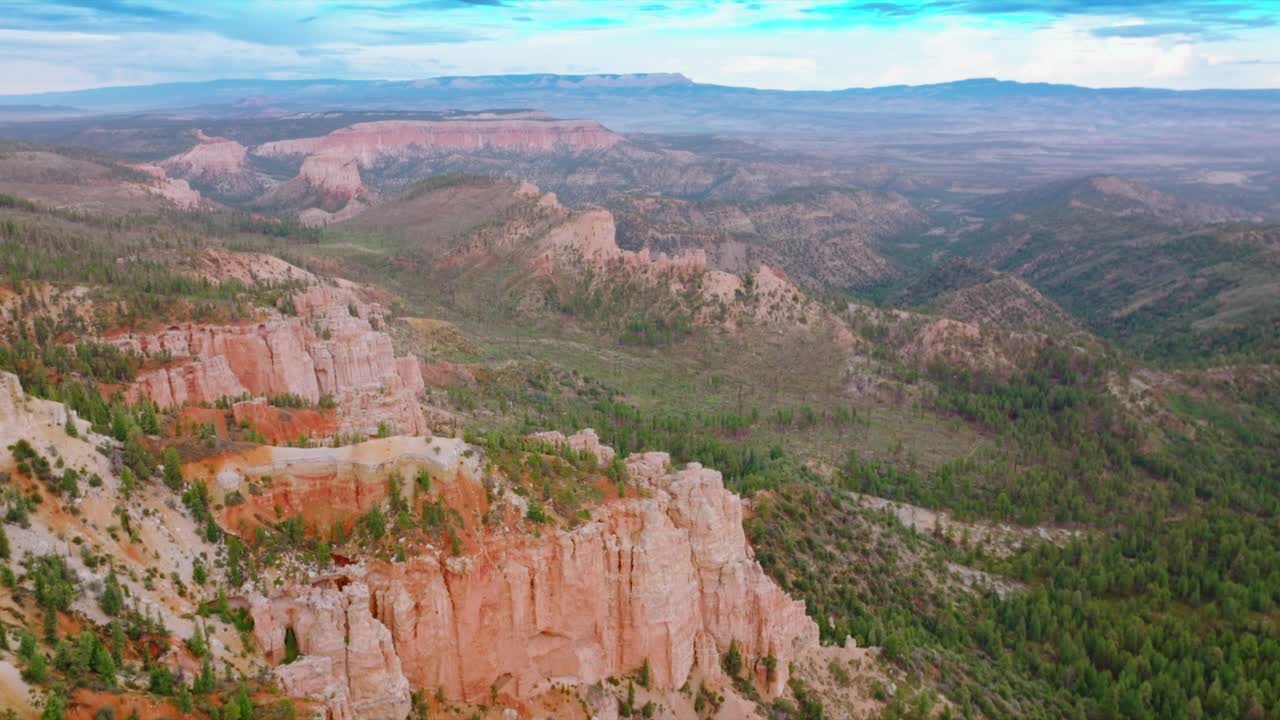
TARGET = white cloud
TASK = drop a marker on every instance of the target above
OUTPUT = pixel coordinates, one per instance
(769, 65)
(719, 45)
(34, 76)
(1068, 52)
(54, 38)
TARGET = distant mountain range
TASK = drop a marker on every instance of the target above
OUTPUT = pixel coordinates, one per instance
(502, 90)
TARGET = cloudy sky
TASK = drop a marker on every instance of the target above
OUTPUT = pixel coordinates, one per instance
(810, 44)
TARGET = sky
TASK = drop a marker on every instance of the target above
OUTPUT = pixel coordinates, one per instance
(49, 45)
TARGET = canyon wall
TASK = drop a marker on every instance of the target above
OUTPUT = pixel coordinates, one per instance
(330, 347)
(368, 142)
(665, 578)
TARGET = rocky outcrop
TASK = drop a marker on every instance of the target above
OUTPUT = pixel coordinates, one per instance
(248, 268)
(175, 190)
(668, 579)
(216, 163)
(588, 239)
(582, 441)
(23, 416)
(333, 174)
(330, 348)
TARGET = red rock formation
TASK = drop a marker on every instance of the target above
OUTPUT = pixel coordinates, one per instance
(334, 174)
(349, 658)
(216, 163)
(331, 163)
(367, 142)
(334, 486)
(667, 579)
(349, 360)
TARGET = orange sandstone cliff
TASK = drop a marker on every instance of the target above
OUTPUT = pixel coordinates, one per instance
(330, 347)
(664, 577)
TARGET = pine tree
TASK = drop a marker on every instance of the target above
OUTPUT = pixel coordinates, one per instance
(204, 682)
(128, 481)
(235, 554)
(104, 665)
(733, 660)
(118, 640)
(112, 598)
(37, 668)
(197, 643)
(290, 645)
(172, 469)
(55, 708)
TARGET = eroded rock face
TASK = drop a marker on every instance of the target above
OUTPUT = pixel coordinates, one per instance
(332, 173)
(348, 660)
(216, 163)
(667, 579)
(332, 164)
(349, 359)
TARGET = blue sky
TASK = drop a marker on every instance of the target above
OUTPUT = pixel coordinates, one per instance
(809, 44)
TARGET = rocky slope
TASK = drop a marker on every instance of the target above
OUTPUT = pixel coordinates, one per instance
(1117, 197)
(141, 533)
(1137, 266)
(963, 290)
(825, 239)
(80, 180)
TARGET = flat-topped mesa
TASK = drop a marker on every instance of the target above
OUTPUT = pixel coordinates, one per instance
(666, 579)
(366, 143)
(332, 347)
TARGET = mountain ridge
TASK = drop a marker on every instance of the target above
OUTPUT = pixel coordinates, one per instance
(977, 86)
